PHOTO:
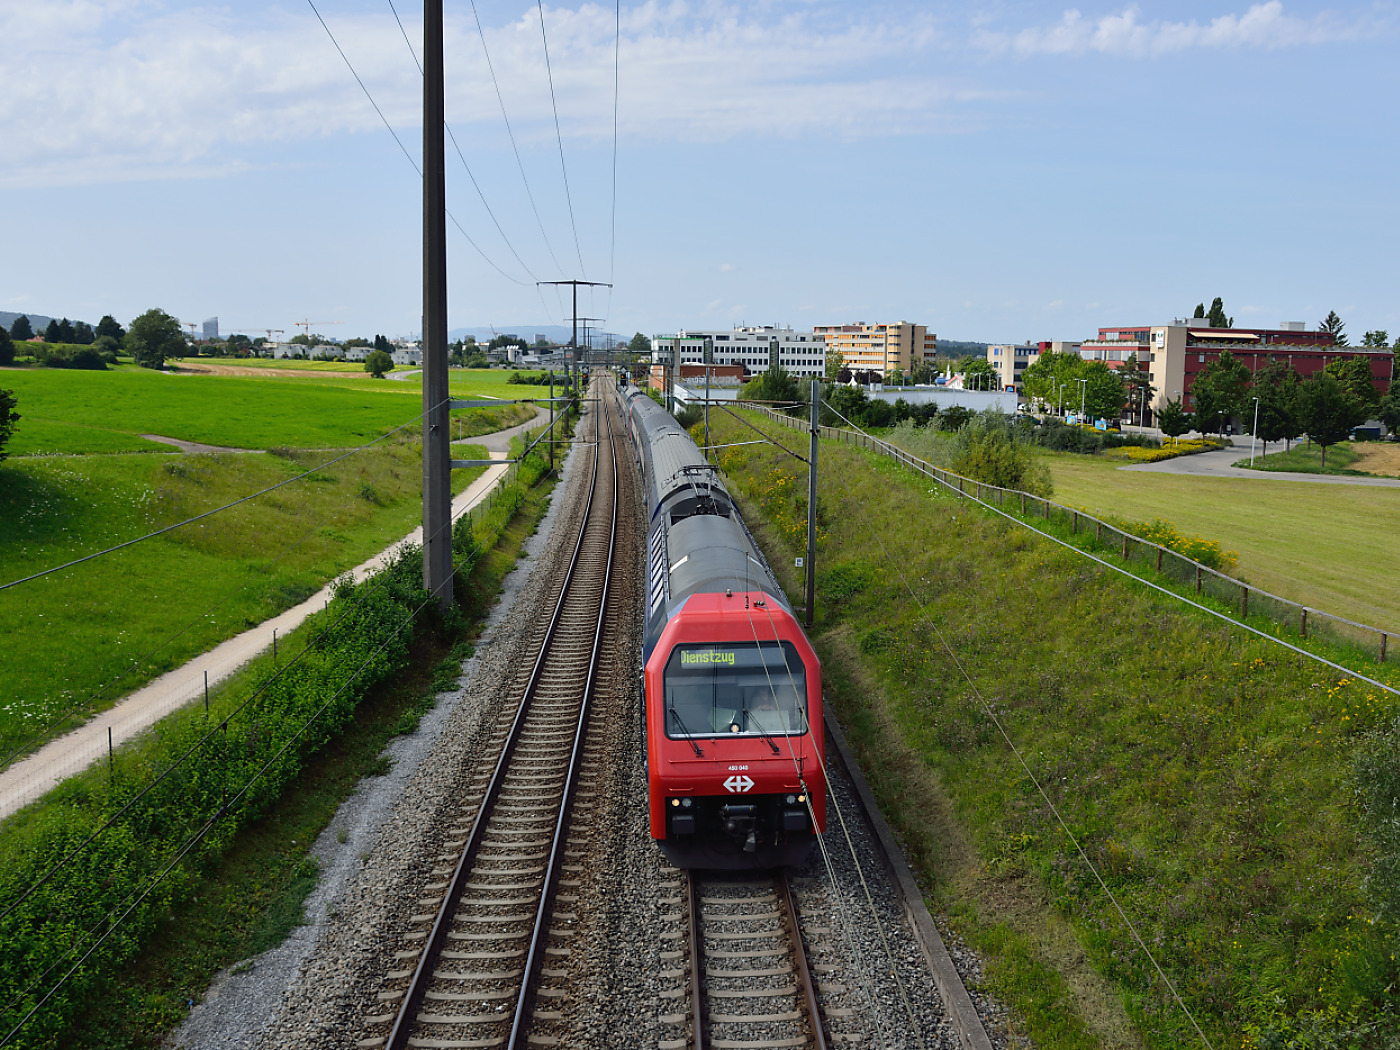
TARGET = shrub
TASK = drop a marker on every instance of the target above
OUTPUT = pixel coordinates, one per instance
(688, 415)
(66, 356)
(1163, 533)
(1377, 770)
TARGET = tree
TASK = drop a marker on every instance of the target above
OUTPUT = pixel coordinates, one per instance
(1355, 377)
(1172, 420)
(108, 326)
(1219, 391)
(1276, 386)
(21, 330)
(153, 337)
(1217, 315)
(1137, 381)
(980, 374)
(1200, 310)
(65, 331)
(1389, 412)
(7, 349)
(380, 343)
(776, 384)
(107, 347)
(1329, 412)
(356, 341)
(1379, 338)
(8, 418)
(1103, 394)
(835, 361)
(51, 332)
(1336, 326)
(639, 344)
(1044, 377)
(507, 340)
(378, 363)
(83, 334)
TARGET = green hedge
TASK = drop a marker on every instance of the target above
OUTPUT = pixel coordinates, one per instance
(271, 723)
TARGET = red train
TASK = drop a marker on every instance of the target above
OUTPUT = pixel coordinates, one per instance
(732, 690)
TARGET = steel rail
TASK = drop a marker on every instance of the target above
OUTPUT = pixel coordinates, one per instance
(699, 1012)
(799, 951)
(540, 932)
(442, 922)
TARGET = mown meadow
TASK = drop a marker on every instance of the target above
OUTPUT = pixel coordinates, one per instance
(1207, 774)
(81, 638)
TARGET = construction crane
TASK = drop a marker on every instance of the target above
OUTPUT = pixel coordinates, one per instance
(245, 329)
(306, 326)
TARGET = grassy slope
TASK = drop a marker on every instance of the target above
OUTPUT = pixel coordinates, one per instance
(1204, 773)
(77, 630)
(1328, 546)
(254, 896)
(1308, 459)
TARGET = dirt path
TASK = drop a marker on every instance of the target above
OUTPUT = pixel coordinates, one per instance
(243, 370)
(26, 780)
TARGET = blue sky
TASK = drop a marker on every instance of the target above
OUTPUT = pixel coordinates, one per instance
(1006, 172)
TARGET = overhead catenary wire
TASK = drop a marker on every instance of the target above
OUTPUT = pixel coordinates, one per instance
(559, 137)
(612, 226)
(416, 167)
(991, 715)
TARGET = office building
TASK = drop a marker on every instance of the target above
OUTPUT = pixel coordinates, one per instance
(755, 348)
(880, 347)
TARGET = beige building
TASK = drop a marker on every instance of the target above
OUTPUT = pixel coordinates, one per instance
(880, 347)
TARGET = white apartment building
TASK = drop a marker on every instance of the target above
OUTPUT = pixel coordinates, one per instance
(755, 348)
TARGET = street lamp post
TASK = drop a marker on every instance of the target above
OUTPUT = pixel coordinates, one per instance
(1083, 396)
(1254, 432)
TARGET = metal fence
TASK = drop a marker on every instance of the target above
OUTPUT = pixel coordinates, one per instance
(1246, 600)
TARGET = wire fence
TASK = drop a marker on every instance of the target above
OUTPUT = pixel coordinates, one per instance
(1244, 598)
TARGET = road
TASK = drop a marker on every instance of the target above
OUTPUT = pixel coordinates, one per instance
(73, 752)
(1219, 464)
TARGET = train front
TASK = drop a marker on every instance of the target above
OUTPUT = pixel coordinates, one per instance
(734, 734)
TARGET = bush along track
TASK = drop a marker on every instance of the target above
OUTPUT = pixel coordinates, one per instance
(1210, 777)
(87, 874)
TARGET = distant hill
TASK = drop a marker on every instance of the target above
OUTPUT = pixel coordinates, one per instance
(554, 332)
(960, 348)
(36, 321)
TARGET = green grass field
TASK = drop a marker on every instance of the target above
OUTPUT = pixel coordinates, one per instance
(1205, 772)
(71, 634)
(1328, 546)
(1307, 459)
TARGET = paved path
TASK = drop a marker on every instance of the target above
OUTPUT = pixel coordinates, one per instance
(73, 752)
(1219, 464)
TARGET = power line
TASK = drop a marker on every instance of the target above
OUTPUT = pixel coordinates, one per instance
(460, 229)
(462, 157)
(511, 133)
(559, 137)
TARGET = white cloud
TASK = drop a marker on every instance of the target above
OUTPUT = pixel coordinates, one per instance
(1263, 26)
(727, 267)
(99, 90)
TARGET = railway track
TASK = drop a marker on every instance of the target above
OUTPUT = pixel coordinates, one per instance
(488, 931)
(750, 982)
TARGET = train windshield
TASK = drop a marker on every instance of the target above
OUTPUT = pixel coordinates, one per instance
(739, 689)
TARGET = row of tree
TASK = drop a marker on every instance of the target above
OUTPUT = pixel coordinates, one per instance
(1326, 406)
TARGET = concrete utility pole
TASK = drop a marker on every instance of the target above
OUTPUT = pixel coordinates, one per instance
(437, 437)
(812, 502)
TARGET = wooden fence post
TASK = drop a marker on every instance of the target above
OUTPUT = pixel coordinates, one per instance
(1074, 523)
(1198, 579)
(1384, 636)
(1125, 546)
(1023, 504)
(1303, 623)
(1244, 603)
(1159, 559)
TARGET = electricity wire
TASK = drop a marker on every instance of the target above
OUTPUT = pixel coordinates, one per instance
(208, 513)
(559, 137)
(612, 241)
(513, 145)
(1020, 758)
(348, 65)
(467, 167)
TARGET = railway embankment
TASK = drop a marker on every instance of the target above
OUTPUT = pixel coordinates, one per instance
(1144, 819)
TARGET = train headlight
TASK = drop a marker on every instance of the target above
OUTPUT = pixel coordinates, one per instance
(791, 799)
(801, 798)
(675, 802)
(687, 802)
